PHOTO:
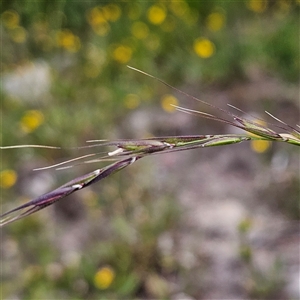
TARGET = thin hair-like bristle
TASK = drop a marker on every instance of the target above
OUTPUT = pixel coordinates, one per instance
(182, 92)
(63, 163)
(284, 123)
(28, 146)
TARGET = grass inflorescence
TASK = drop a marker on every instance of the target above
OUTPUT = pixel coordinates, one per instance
(126, 152)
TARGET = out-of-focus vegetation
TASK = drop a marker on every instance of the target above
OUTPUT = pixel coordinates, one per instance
(65, 81)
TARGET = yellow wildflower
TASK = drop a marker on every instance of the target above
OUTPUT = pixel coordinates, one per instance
(10, 19)
(67, 40)
(104, 278)
(139, 30)
(122, 54)
(31, 120)
(257, 6)
(7, 178)
(96, 16)
(167, 101)
(204, 47)
(215, 21)
(259, 146)
(156, 14)
(101, 29)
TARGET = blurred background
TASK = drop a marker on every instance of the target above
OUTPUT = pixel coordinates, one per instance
(215, 223)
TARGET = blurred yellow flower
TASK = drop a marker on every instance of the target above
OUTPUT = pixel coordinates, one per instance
(257, 6)
(67, 40)
(215, 21)
(7, 178)
(132, 101)
(204, 47)
(260, 146)
(101, 29)
(18, 34)
(10, 19)
(104, 278)
(99, 15)
(122, 54)
(31, 120)
(139, 30)
(96, 16)
(111, 12)
(156, 14)
(167, 101)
